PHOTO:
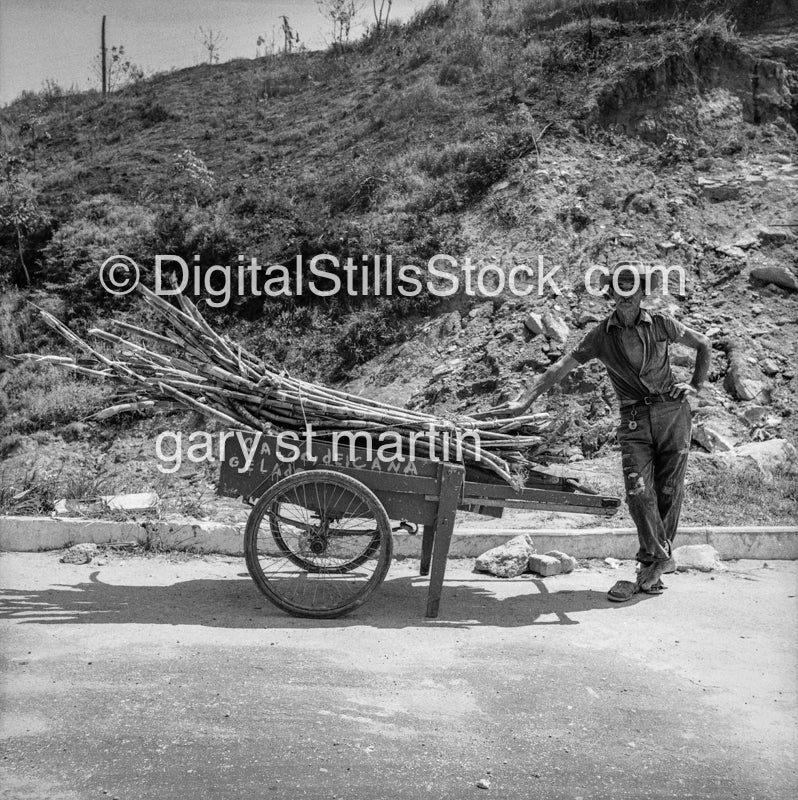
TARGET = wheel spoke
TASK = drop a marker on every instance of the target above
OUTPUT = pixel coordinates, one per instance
(318, 543)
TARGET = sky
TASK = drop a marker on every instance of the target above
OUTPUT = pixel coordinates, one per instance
(59, 39)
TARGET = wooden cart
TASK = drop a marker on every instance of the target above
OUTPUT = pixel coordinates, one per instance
(319, 539)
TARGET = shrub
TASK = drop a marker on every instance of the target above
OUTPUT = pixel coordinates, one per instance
(451, 75)
(151, 112)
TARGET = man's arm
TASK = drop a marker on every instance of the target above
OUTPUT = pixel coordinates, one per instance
(551, 377)
(540, 385)
(703, 348)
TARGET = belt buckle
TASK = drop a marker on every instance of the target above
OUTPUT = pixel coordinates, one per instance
(648, 400)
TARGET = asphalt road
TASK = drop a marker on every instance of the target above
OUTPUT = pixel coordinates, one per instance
(158, 678)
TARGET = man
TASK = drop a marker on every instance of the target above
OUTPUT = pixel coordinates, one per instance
(655, 422)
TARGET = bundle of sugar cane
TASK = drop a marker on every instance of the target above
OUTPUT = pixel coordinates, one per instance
(191, 365)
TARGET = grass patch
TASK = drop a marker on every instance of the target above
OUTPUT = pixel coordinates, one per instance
(741, 495)
(36, 397)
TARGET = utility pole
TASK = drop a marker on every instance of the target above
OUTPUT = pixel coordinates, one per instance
(103, 57)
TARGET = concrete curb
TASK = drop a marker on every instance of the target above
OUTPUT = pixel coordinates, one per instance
(52, 533)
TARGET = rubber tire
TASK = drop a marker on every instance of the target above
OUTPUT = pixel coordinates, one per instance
(339, 480)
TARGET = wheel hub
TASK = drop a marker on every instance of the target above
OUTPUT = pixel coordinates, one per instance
(318, 545)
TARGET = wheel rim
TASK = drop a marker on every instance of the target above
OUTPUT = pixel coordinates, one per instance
(318, 544)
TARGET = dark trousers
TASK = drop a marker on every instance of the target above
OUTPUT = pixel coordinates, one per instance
(654, 456)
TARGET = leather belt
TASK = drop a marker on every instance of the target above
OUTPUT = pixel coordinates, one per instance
(649, 400)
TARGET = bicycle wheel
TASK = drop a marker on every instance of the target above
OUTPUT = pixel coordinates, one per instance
(283, 531)
(333, 546)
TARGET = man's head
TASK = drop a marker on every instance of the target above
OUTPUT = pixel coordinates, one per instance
(627, 284)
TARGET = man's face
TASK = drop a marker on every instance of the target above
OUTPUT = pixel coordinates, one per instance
(627, 302)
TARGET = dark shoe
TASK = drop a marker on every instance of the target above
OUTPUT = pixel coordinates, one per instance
(622, 591)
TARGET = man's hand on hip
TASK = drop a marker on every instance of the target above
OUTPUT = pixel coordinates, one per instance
(679, 391)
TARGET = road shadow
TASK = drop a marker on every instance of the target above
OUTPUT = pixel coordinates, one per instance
(399, 602)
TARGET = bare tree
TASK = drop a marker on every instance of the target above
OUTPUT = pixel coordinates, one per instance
(380, 20)
(212, 42)
(341, 13)
(290, 36)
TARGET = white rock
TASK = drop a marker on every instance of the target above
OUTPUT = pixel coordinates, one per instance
(555, 327)
(534, 323)
(507, 560)
(567, 563)
(703, 557)
(140, 501)
(545, 566)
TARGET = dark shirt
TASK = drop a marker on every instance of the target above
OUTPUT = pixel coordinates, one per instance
(631, 385)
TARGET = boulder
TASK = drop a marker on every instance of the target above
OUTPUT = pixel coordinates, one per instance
(746, 241)
(774, 236)
(743, 380)
(703, 557)
(780, 276)
(716, 429)
(507, 560)
(770, 456)
(710, 439)
(545, 566)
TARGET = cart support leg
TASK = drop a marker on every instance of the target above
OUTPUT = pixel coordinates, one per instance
(426, 549)
(451, 482)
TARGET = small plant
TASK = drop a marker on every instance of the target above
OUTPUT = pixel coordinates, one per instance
(120, 71)
(191, 175)
(674, 150)
(20, 212)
